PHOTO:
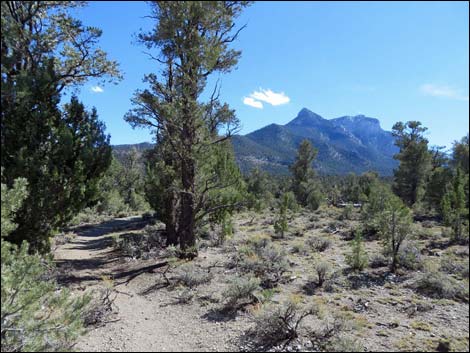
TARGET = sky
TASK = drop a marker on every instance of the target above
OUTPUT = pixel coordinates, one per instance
(394, 61)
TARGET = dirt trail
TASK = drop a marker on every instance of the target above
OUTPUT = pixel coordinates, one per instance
(144, 323)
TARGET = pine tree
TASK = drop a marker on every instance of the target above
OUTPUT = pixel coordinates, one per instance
(303, 173)
(35, 316)
(455, 212)
(415, 161)
(357, 259)
(193, 38)
(395, 225)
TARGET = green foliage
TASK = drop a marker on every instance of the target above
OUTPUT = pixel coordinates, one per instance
(241, 290)
(395, 225)
(415, 161)
(35, 315)
(11, 202)
(454, 210)
(193, 39)
(61, 152)
(280, 224)
(303, 173)
(62, 175)
(258, 188)
(357, 259)
(460, 154)
(378, 198)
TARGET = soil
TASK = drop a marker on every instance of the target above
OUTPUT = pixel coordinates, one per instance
(149, 315)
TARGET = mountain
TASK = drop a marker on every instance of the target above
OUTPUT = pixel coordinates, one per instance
(346, 144)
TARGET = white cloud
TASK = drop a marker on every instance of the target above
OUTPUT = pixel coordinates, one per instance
(268, 96)
(430, 89)
(97, 89)
(252, 103)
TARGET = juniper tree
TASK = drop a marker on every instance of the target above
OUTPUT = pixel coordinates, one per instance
(303, 173)
(455, 213)
(460, 154)
(193, 38)
(62, 153)
(415, 161)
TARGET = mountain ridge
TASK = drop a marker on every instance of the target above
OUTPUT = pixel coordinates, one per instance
(345, 144)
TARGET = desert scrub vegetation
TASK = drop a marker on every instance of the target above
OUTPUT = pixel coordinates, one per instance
(317, 243)
(241, 291)
(277, 324)
(438, 285)
(323, 271)
(265, 260)
(191, 276)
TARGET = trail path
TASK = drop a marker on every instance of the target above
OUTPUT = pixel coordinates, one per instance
(144, 322)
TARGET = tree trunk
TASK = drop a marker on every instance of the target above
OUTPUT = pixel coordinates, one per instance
(187, 216)
(171, 219)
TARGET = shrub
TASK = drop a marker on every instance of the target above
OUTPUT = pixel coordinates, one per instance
(264, 260)
(378, 260)
(344, 344)
(347, 213)
(278, 324)
(357, 259)
(36, 315)
(451, 265)
(437, 285)
(190, 276)
(323, 271)
(318, 243)
(241, 290)
(409, 256)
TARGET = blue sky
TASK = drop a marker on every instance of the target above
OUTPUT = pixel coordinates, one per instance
(395, 61)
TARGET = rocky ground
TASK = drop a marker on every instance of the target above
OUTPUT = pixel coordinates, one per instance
(153, 311)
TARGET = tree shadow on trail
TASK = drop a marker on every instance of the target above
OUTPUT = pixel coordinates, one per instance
(97, 241)
(111, 226)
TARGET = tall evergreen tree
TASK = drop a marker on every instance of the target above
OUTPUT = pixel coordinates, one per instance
(193, 38)
(62, 153)
(303, 173)
(415, 161)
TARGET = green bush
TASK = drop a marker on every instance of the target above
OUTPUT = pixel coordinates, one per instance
(36, 314)
(357, 259)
